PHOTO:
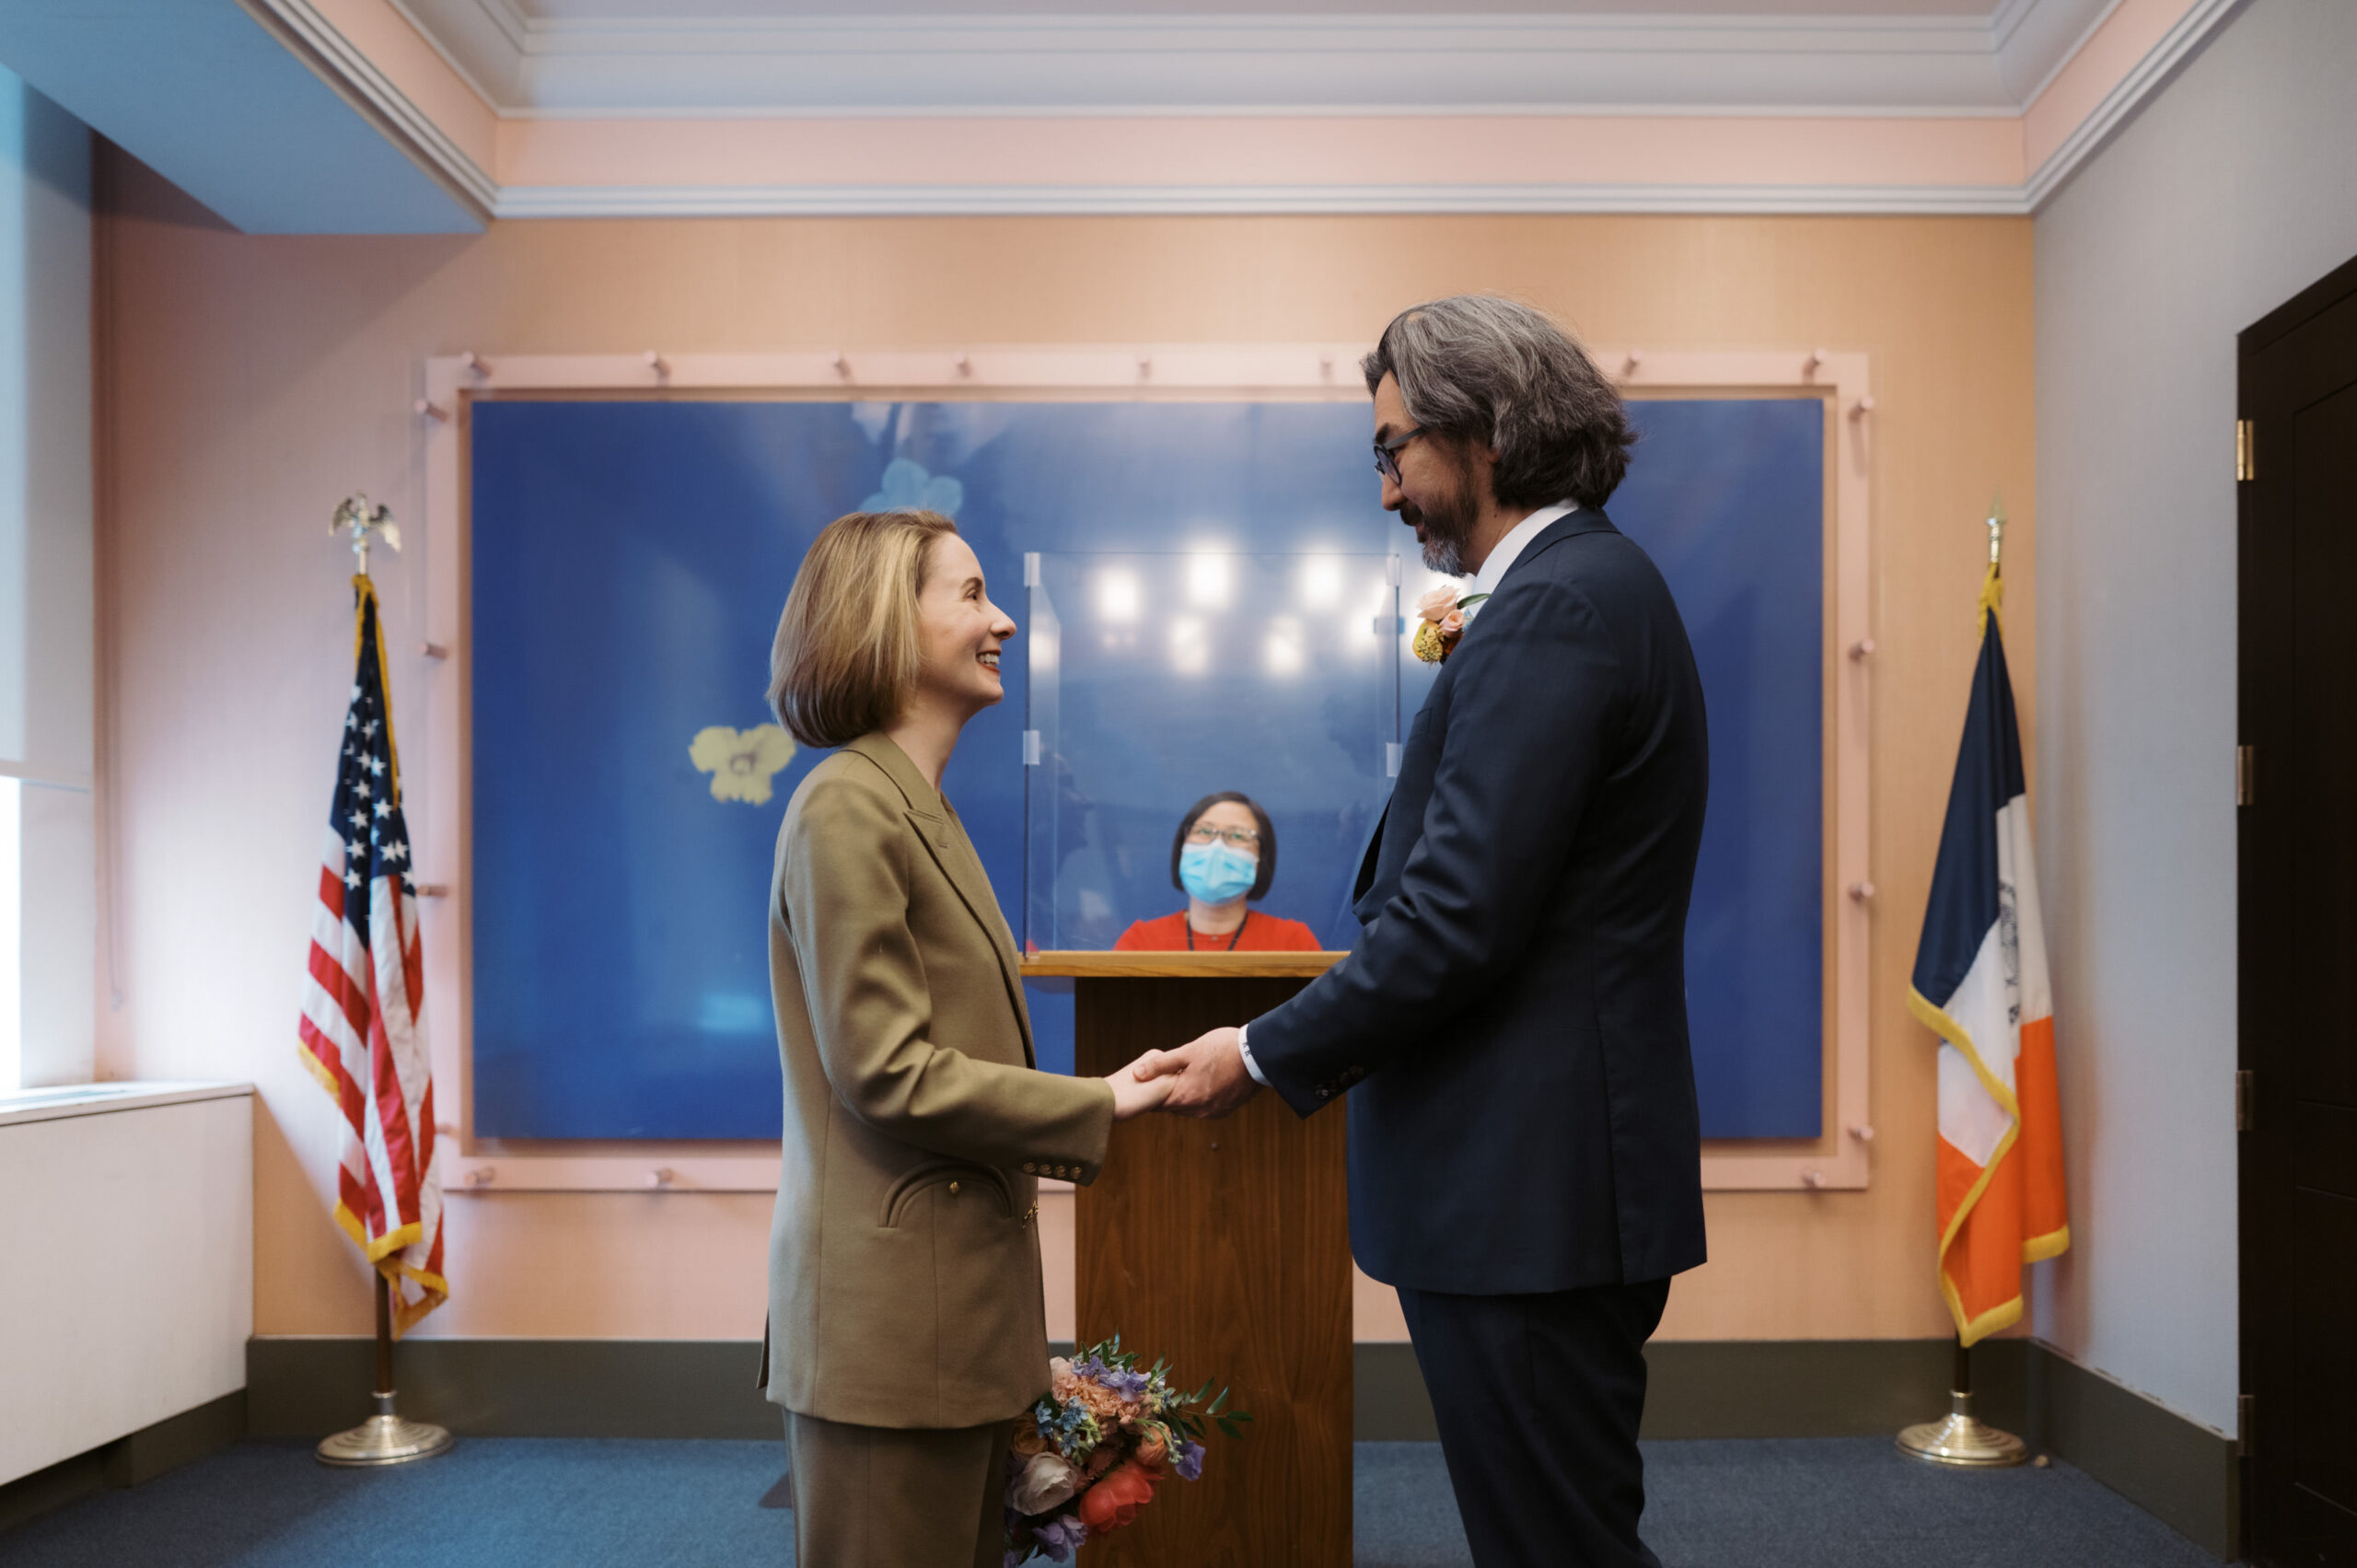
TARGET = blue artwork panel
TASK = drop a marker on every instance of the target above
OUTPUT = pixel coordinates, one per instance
(628, 562)
(1728, 498)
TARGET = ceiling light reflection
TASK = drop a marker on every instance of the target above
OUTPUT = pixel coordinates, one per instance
(1117, 595)
(1207, 582)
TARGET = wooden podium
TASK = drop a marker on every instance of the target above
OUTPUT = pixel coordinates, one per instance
(1224, 1247)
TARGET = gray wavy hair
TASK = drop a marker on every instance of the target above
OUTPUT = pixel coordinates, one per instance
(1503, 373)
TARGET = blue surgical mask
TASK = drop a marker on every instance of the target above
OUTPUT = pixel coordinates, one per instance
(1216, 872)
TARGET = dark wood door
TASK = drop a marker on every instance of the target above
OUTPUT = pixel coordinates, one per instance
(1225, 1247)
(2298, 919)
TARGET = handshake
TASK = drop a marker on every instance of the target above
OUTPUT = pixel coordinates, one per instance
(1205, 1077)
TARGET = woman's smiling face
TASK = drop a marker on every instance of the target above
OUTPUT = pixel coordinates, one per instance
(960, 634)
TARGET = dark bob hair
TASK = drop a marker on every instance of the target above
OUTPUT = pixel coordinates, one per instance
(1267, 839)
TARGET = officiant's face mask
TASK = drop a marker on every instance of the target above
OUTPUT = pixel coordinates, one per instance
(1217, 873)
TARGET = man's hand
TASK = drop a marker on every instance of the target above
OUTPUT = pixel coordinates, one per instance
(1206, 1074)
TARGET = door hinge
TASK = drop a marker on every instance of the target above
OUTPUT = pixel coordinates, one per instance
(2246, 1421)
(2246, 774)
(2246, 1098)
(2246, 449)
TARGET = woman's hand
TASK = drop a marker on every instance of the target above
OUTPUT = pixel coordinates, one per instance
(1133, 1095)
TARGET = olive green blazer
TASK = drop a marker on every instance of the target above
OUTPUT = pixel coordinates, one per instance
(904, 1257)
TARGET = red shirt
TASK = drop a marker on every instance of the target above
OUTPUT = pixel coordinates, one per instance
(1261, 933)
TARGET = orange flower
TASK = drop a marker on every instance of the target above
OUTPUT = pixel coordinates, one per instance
(1150, 1451)
(1115, 1501)
(1027, 1440)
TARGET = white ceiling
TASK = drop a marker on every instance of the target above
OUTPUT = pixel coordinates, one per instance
(736, 58)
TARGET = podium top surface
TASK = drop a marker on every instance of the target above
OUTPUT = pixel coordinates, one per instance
(1180, 966)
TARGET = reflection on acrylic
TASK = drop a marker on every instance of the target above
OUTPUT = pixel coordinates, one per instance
(1252, 675)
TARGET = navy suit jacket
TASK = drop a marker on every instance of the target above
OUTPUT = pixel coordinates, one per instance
(1510, 1030)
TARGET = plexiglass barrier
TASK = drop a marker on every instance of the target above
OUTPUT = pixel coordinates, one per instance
(1156, 679)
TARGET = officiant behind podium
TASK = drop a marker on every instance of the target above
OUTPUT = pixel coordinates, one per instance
(1222, 858)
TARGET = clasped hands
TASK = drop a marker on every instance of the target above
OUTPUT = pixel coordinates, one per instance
(1205, 1077)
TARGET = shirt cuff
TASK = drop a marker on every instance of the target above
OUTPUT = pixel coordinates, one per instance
(1249, 1065)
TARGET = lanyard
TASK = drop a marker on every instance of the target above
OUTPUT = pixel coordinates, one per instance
(1232, 941)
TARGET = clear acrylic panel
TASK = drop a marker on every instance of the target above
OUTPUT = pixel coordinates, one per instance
(1155, 680)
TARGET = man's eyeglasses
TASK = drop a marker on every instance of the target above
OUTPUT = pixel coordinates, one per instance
(1387, 458)
(1237, 838)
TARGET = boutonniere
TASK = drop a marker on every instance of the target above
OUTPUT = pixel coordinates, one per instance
(1443, 623)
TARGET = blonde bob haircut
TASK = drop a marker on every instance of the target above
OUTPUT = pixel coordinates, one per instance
(846, 654)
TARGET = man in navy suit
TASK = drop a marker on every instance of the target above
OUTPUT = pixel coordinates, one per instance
(1510, 1031)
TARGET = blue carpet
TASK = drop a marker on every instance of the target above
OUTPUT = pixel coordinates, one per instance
(520, 1502)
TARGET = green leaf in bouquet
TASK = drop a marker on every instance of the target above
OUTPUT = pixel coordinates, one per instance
(1215, 1406)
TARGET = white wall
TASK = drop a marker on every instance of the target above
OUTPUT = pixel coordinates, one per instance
(46, 603)
(2232, 190)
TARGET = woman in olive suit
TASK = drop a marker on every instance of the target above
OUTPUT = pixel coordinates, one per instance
(906, 1329)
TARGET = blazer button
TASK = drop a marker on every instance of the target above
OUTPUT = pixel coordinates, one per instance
(1030, 1169)
(1321, 1093)
(953, 1190)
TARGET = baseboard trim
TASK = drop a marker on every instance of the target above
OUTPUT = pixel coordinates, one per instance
(310, 1387)
(141, 1456)
(2183, 1473)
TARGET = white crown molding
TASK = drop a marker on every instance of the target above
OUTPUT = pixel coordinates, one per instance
(975, 201)
(848, 66)
(2037, 38)
(2010, 26)
(2150, 74)
(354, 74)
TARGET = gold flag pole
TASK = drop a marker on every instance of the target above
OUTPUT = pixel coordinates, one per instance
(388, 1437)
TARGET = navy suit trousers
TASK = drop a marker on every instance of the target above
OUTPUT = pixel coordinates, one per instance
(1539, 1398)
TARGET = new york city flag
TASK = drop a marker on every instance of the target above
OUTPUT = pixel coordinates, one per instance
(1981, 983)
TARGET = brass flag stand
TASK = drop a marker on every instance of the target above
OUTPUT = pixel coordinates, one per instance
(1963, 1439)
(387, 1437)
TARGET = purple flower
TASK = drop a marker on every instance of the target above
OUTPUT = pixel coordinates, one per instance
(1190, 1462)
(1128, 1384)
(1015, 1555)
(1061, 1536)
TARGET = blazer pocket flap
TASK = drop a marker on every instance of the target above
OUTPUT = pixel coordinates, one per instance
(986, 1184)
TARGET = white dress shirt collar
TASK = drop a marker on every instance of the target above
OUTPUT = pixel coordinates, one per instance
(1509, 548)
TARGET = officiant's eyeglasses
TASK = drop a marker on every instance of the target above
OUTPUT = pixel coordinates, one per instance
(1237, 838)
(1387, 458)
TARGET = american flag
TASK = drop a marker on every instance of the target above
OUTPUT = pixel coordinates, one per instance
(364, 1025)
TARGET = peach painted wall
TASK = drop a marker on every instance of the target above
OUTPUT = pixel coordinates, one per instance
(248, 383)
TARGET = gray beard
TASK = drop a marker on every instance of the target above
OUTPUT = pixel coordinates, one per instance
(1446, 529)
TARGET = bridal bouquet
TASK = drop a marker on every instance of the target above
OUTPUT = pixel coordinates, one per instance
(1087, 1455)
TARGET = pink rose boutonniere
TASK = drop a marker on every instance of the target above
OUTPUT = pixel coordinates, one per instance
(1443, 623)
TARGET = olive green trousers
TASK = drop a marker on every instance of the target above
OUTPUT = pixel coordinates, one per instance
(882, 1497)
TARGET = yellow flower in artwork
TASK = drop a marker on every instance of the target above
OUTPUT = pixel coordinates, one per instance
(741, 761)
